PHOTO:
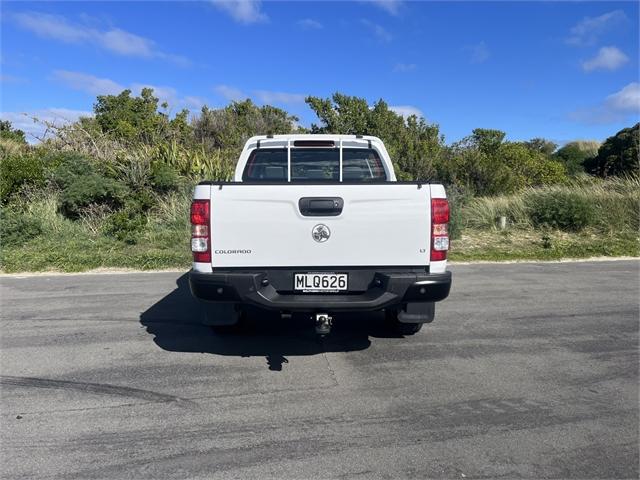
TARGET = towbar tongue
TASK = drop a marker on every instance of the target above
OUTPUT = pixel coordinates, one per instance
(323, 323)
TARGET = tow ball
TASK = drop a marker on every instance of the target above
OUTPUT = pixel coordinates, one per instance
(323, 323)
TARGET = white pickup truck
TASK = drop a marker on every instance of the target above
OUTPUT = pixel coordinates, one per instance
(319, 224)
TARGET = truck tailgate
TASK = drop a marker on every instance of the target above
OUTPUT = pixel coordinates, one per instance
(263, 226)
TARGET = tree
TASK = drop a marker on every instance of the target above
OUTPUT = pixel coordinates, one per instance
(180, 128)
(133, 118)
(618, 155)
(342, 114)
(574, 154)
(418, 149)
(529, 167)
(486, 165)
(542, 145)
(487, 140)
(414, 145)
(231, 126)
(8, 132)
(474, 171)
(127, 117)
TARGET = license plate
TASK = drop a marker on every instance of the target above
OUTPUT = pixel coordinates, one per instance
(320, 282)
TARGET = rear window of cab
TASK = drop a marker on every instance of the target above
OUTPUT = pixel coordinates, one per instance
(314, 165)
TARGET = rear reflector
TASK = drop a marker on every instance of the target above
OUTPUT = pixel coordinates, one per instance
(200, 239)
(439, 229)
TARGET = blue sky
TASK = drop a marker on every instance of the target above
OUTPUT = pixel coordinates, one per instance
(559, 70)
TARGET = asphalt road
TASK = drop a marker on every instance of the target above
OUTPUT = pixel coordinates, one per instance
(529, 371)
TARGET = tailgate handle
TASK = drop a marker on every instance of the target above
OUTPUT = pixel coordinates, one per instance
(320, 206)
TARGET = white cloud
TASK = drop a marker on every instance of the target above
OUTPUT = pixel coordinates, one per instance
(406, 110)
(125, 43)
(52, 26)
(310, 24)
(617, 107)
(270, 97)
(113, 40)
(262, 96)
(105, 86)
(194, 102)
(479, 53)
(230, 93)
(404, 67)
(35, 130)
(88, 83)
(390, 6)
(626, 100)
(608, 58)
(379, 31)
(589, 29)
(242, 11)
(171, 96)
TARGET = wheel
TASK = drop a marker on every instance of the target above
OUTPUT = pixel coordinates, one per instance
(391, 316)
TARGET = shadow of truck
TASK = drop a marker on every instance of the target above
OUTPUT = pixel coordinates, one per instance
(175, 323)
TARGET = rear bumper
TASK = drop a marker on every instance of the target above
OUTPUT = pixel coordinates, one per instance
(370, 289)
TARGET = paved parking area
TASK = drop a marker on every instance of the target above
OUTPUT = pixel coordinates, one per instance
(530, 370)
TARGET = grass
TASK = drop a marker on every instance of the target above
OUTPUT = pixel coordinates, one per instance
(477, 245)
(611, 229)
(73, 246)
(78, 251)
(615, 204)
(81, 252)
(82, 255)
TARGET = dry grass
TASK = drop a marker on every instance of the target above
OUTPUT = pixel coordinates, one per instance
(542, 245)
(616, 202)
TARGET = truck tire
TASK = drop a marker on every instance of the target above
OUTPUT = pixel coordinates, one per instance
(408, 319)
(391, 316)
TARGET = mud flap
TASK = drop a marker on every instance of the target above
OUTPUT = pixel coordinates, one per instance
(417, 313)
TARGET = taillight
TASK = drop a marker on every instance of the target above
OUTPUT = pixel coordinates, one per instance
(439, 229)
(200, 238)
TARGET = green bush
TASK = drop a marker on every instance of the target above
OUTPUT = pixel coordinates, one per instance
(53, 159)
(125, 225)
(88, 190)
(164, 178)
(7, 132)
(16, 229)
(574, 154)
(139, 202)
(66, 167)
(18, 170)
(488, 166)
(563, 210)
(82, 185)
